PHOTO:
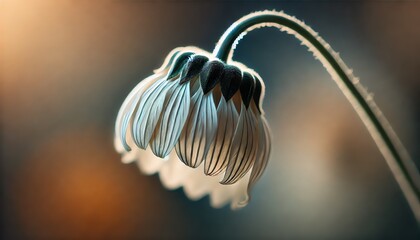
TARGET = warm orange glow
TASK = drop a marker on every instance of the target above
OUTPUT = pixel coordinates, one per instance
(74, 186)
(67, 65)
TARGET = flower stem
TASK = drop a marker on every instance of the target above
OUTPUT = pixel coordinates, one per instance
(399, 161)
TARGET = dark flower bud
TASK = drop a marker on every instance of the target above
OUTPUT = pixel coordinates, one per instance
(193, 67)
(211, 75)
(247, 88)
(230, 81)
(178, 64)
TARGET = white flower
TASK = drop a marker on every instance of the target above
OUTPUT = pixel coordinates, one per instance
(198, 122)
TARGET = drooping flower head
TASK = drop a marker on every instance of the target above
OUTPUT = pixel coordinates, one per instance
(199, 123)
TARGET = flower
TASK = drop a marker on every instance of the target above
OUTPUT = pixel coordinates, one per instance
(199, 123)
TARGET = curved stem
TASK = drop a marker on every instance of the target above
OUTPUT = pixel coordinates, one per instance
(402, 167)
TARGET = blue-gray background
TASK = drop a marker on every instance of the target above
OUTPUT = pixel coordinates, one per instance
(68, 65)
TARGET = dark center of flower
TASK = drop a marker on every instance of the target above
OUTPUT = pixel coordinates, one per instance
(230, 78)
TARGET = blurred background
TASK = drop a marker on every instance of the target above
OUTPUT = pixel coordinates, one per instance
(66, 67)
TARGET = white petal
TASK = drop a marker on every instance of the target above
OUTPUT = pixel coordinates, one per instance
(174, 115)
(148, 162)
(199, 130)
(129, 157)
(235, 193)
(149, 111)
(197, 185)
(126, 111)
(241, 197)
(263, 152)
(222, 194)
(132, 155)
(244, 147)
(218, 155)
(174, 172)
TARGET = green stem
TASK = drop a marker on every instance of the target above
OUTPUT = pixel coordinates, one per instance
(402, 167)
